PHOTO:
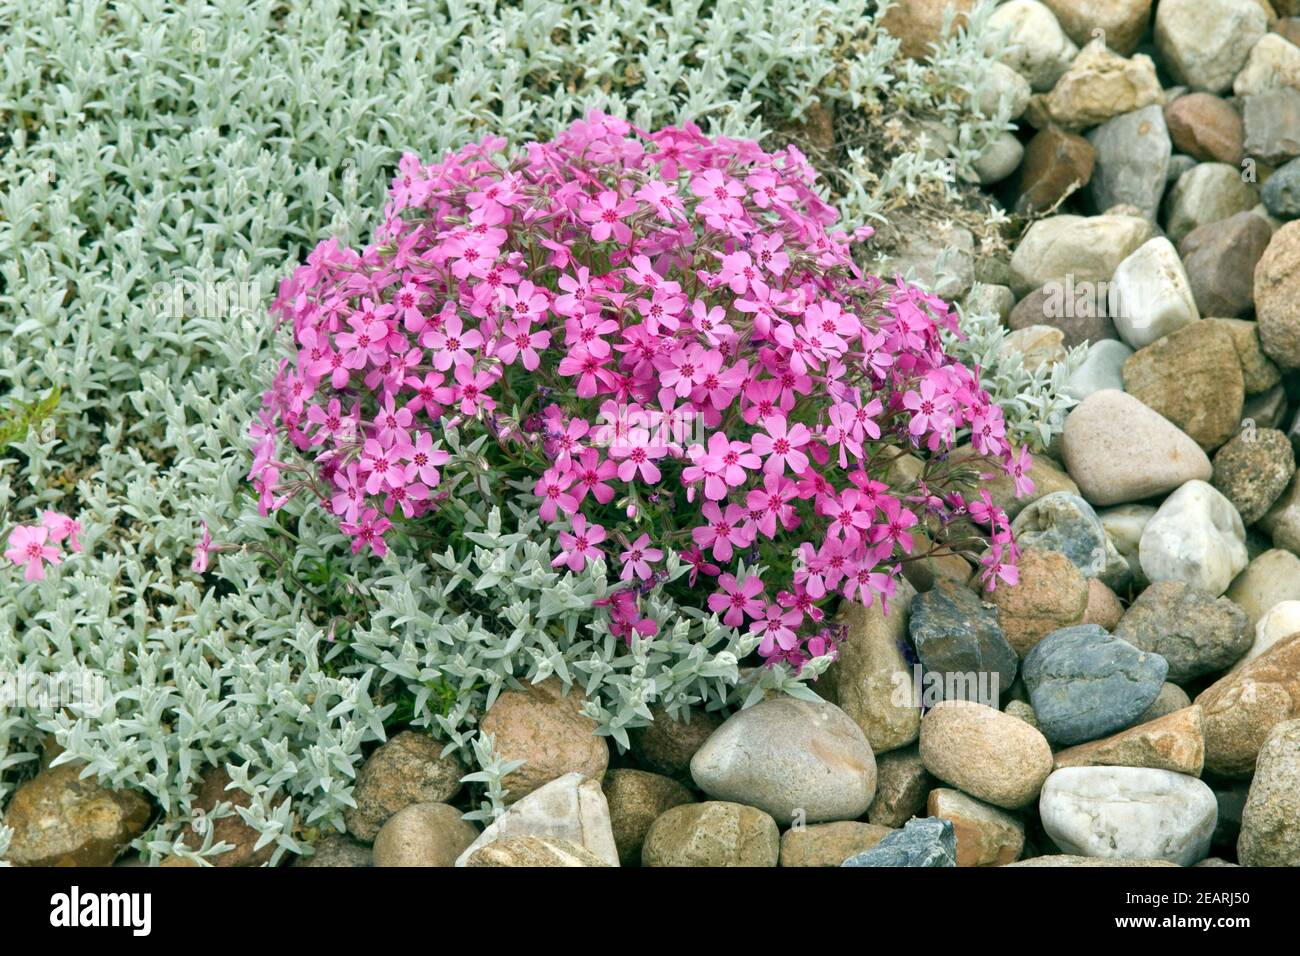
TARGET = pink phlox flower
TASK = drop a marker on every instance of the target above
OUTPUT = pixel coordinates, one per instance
(781, 445)
(552, 488)
(580, 546)
(699, 565)
(519, 341)
(777, 627)
(723, 532)
(768, 191)
(892, 531)
(368, 532)
(452, 343)
(638, 558)
(591, 475)
(425, 459)
(737, 599)
(768, 253)
(773, 503)
(1018, 468)
(637, 454)
(62, 527)
(29, 546)
(606, 214)
(202, 549)
(719, 193)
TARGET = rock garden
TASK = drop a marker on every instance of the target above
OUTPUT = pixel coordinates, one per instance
(874, 447)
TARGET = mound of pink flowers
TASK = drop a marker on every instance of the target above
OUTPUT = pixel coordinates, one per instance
(673, 351)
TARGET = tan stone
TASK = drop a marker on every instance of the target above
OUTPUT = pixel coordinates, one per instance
(1193, 378)
(990, 755)
(59, 819)
(541, 726)
(1242, 707)
(1121, 451)
(1269, 579)
(666, 745)
(918, 23)
(1104, 608)
(1098, 85)
(986, 836)
(713, 833)
(636, 799)
(1122, 22)
(902, 784)
(829, 844)
(1174, 742)
(1270, 821)
(870, 666)
(423, 834)
(1277, 296)
(1052, 594)
(409, 768)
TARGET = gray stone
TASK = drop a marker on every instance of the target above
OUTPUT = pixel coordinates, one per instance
(794, 759)
(1151, 295)
(1101, 368)
(919, 253)
(1129, 813)
(1281, 194)
(1066, 523)
(1077, 312)
(408, 769)
(1119, 451)
(1270, 821)
(1087, 248)
(1204, 43)
(1253, 469)
(1000, 159)
(1033, 43)
(1124, 525)
(1272, 121)
(337, 850)
(1206, 193)
(954, 632)
(1132, 157)
(1085, 684)
(1002, 81)
(1194, 631)
(1220, 259)
(924, 842)
(1196, 536)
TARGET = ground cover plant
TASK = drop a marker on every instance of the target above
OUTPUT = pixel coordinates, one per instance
(162, 167)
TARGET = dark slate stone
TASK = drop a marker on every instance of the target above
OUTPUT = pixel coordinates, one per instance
(1066, 523)
(954, 632)
(1281, 194)
(1195, 632)
(927, 841)
(1085, 684)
